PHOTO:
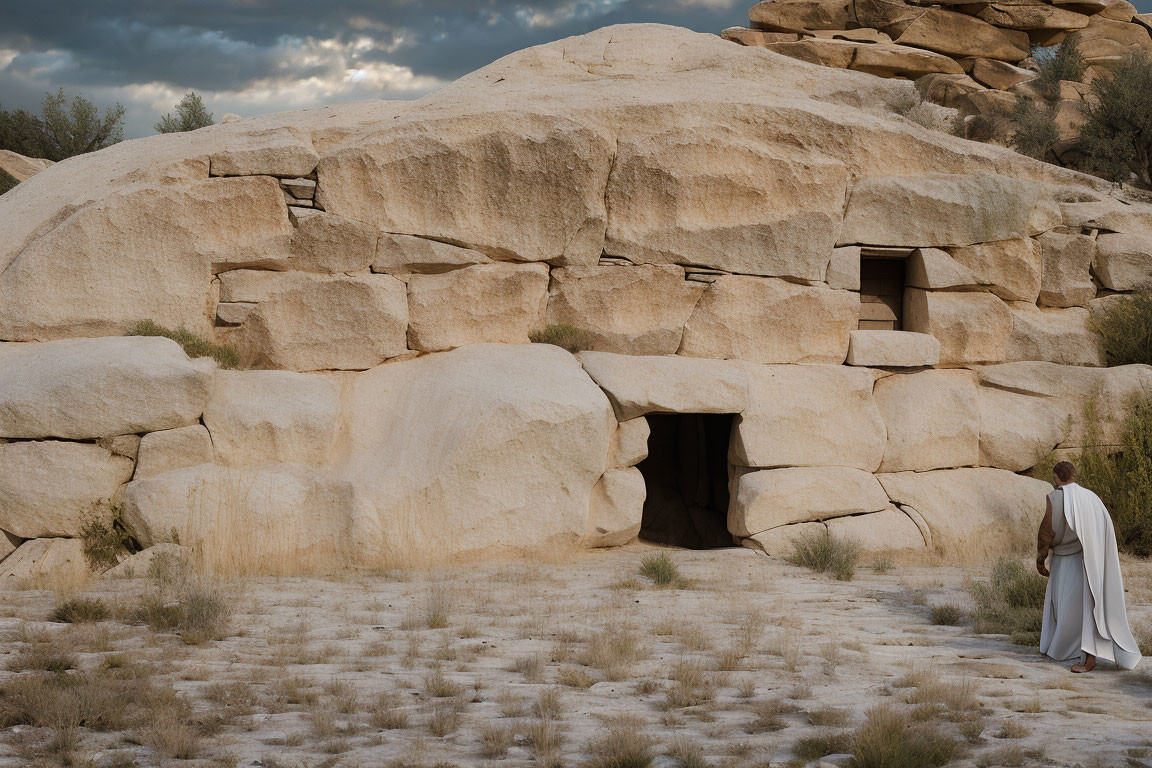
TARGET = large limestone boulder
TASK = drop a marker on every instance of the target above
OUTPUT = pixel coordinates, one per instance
(779, 216)
(20, 167)
(171, 449)
(937, 209)
(801, 15)
(958, 34)
(630, 443)
(323, 242)
(1131, 219)
(892, 349)
(887, 530)
(42, 563)
(275, 151)
(461, 453)
(310, 322)
(1030, 17)
(883, 59)
(770, 498)
(479, 183)
(261, 417)
(972, 511)
(50, 488)
(96, 272)
(79, 389)
(934, 269)
(274, 517)
(617, 508)
(486, 302)
(972, 327)
(999, 74)
(781, 542)
(637, 385)
(1055, 335)
(768, 320)
(1067, 258)
(630, 310)
(1016, 430)
(809, 415)
(1072, 390)
(1010, 268)
(1124, 262)
(932, 419)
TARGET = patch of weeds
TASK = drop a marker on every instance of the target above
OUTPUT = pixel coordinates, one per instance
(574, 677)
(548, 706)
(437, 607)
(769, 716)
(625, 745)
(104, 539)
(441, 687)
(888, 740)
(545, 738)
(614, 651)
(831, 717)
(564, 336)
(823, 552)
(883, 564)
(386, 713)
(180, 601)
(192, 344)
(1010, 603)
(495, 741)
(79, 610)
(532, 667)
(660, 570)
(828, 743)
(445, 716)
(687, 752)
(946, 614)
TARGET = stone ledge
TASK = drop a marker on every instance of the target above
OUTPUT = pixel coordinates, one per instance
(892, 349)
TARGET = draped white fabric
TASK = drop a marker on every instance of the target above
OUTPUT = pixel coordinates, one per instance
(1096, 604)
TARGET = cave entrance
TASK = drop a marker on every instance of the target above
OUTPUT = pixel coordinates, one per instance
(686, 479)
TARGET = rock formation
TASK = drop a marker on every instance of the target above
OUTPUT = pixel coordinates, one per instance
(866, 325)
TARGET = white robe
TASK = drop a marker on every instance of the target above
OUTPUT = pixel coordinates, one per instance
(1084, 602)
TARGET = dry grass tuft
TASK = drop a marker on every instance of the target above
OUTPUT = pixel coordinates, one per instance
(180, 601)
(625, 745)
(947, 614)
(661, 571)
(548, 705)
(687, 752)
(79, 610)
(888, 740)
(386, 713)
(545, 738)
(495, 741)
(532, 667)
(822, 552)
(614, 651)
(770, 716)
(439, 686)
(1011, 603)
(437, 607)
(574, 677)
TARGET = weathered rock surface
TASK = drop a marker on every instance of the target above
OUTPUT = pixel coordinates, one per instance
(261, 417)
(770, 498)
(844, 269)
(1010, 268)
(937, 209)
(1067, 258)
(630, 310)
(1016, 430)
(886, 530)
(630, 443)
(486, 302)
(958, 34)
(138, 565)
(315, 322)
(44, 563)
(1071, 389)
(974, 510)
(277, 151)
(934, 269)
(808, 415)
(259, 516)
(801, 15)
(457, 453)
(1055, 335)
(20, 167)
(85, 388)
(401, 254)
(617, 507)
(779, 542)
(771, 321)
(1124, 262)
(932, 420)
(1000, 74)
(170, 449)
(892, 349)
(637, 385)
(972, 327)
(323, 242)
(51, 488)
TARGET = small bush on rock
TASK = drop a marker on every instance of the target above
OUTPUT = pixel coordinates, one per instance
(946, 614)
(1117, 133)
(104, 540)
(193, 345)
(1126, 329)
(822, 552)
(1062, 62)
(1034, 130)
(888, 740)
(78, 610)
(563, 336)
(1010, 602)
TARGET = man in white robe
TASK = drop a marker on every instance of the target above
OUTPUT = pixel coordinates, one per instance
(1084, 603)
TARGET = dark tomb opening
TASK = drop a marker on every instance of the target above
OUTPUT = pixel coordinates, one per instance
(686, 478)
(881, 294)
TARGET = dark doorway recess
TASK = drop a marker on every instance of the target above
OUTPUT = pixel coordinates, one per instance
(881, 294)
(686, 478)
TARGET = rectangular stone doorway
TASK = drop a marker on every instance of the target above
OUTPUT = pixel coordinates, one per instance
(881, 293)
(686, 479)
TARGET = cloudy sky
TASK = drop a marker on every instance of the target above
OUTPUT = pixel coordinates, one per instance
(258, 56)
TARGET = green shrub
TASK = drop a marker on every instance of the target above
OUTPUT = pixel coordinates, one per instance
(822, 552)
(564, 336)
(887, 739)
(946, 614)
(1010, 602)
(1062, 62)
(1125, 328)
(1117, 133)
(1034, 130)
(660, 569)
(193, 345)
(78, 610)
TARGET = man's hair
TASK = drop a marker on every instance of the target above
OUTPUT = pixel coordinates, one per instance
(1065, 471)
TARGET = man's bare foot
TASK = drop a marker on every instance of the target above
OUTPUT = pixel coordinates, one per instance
(1079, 668)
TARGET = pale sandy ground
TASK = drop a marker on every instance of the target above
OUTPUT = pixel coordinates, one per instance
(807, 641)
